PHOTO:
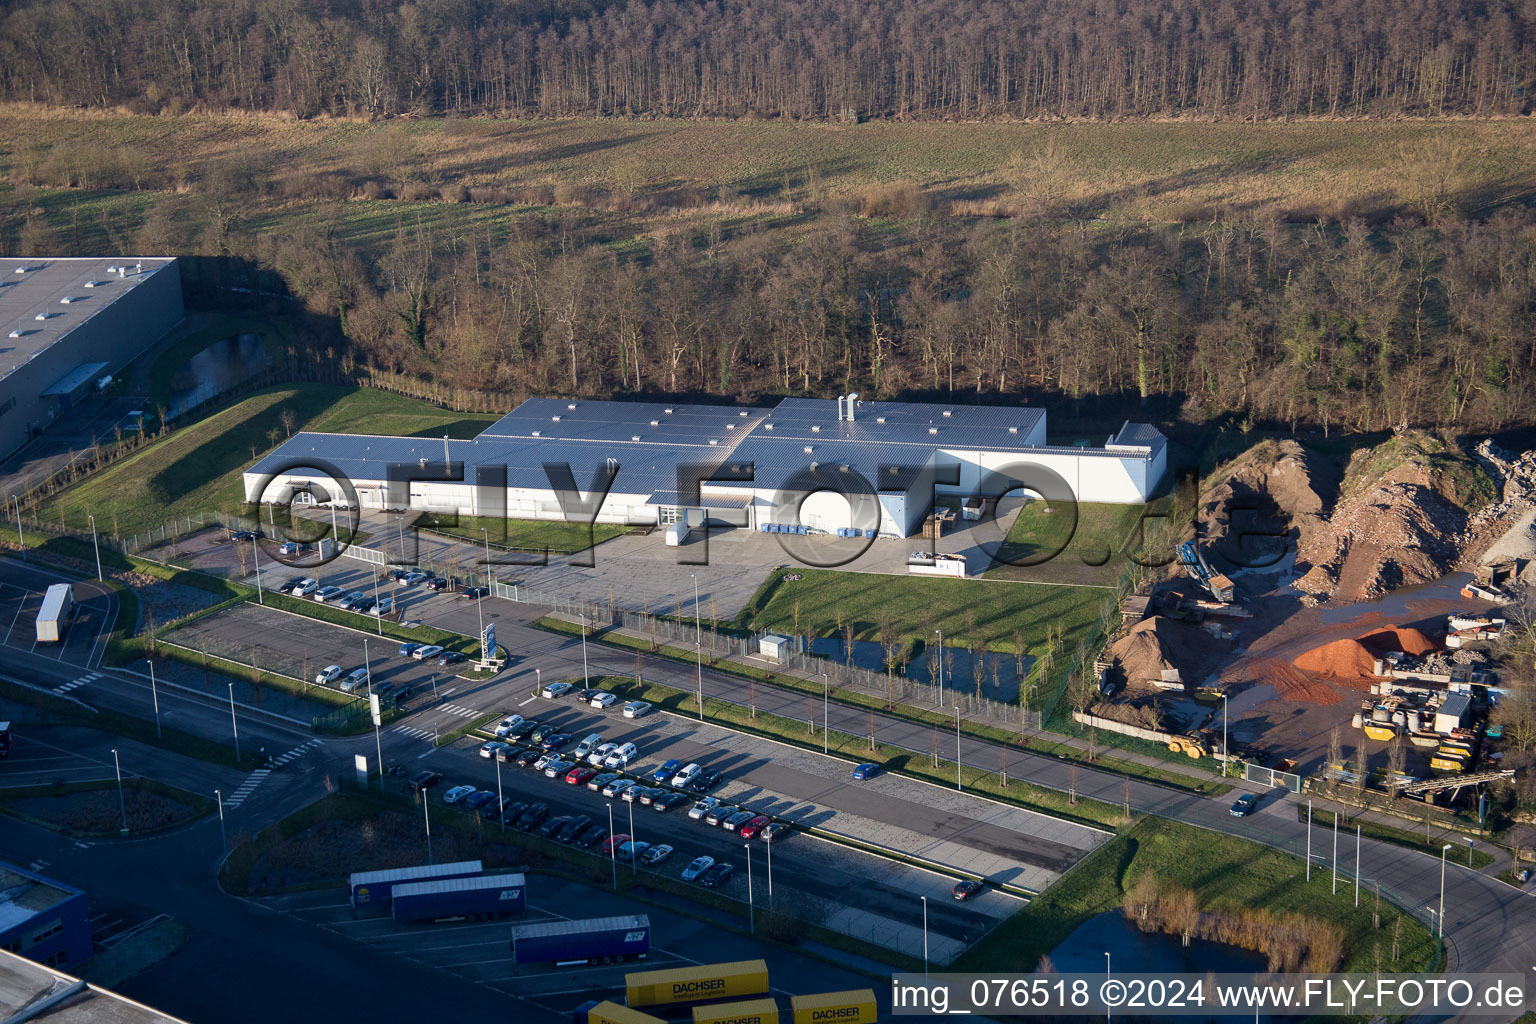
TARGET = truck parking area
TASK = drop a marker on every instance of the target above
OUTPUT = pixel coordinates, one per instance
(85, 628)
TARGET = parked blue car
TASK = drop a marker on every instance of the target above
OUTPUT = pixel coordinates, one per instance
(665, 772)
(406, 649)
(867, 770)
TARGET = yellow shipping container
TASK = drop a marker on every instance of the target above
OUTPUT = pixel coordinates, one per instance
(613, 1013)
(853, 1007)
(753, 1011)
(697, 984)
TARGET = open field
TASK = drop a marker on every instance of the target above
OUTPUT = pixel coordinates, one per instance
(559, 538)
(776, 171)
(988, 614)
(198, 467)
(1089, 548)
(1224, 872)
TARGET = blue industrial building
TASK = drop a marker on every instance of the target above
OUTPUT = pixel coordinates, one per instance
(43, 920)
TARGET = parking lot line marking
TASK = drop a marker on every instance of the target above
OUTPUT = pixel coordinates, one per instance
(432, 751)
(530, 700)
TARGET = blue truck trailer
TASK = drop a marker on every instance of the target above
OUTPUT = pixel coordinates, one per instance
(600, 939)
(376, 887)
(475, 896)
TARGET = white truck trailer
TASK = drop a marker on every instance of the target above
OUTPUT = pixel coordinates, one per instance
(53, 617)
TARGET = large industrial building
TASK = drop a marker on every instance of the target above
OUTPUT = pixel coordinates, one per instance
(43, 920)
(823, 464)
(30, 992)
(68, 324)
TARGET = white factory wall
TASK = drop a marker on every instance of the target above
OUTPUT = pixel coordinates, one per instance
(1105, 478)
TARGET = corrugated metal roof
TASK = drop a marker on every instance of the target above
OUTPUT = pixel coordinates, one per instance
(1140, 434)
(976, 427)
(652, 422)
(416, 871)
(474, 883)
(542, 929)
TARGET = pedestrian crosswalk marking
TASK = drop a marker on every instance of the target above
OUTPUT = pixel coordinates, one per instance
(240, 795)
(296, 752)
(460, 710)
(411, 730)
(89, 677)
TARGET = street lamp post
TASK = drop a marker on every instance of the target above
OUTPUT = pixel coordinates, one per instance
(958, 787)
(826, 706)
(20, 537)
(1109, 1014)
(501, 801)
(367, 667)
(1223, 735)
(122, 803)
(1309, 840)
(613, 855)
(940, 663)
(751, 905)
(233, 723)
(698, 649)
(97, 545)
(223, 836)
(378, 616)
(583, 648)
(1440, 917)
(256, 556)
(1357, 864)
(925, 935)
(154, 694)
(769, 844)
(427, 818)
(634, 868)
(1335, 853)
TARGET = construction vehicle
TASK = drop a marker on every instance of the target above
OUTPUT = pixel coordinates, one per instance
(1213, 582)
(1191, 745)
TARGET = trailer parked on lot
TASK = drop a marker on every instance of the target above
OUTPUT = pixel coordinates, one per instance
(610, 1013)
(53, 616)
(855, 1007)
(369, 887)
(752, 1011)
(697, 984)
(472, 896)
(572, 942)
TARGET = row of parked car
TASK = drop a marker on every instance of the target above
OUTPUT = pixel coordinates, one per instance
(600, 699)
(348, 682)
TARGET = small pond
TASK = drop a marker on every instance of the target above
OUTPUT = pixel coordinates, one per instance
(999, 675)
(216, 369)
(1130, 949)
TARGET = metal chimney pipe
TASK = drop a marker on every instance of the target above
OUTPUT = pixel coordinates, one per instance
(851, 399)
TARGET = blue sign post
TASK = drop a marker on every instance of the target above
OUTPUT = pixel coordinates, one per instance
(488, 642)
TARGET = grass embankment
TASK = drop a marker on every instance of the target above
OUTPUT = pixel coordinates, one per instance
(93, 808)
(988, 614)
(1085, 548)
(769, 169)
(857, 749)
(811, 688)
(1396, 836)
(62, 710)
(558, 538)
(1227, 875)
(198, 467)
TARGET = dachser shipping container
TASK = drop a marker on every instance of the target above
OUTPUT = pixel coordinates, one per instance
(853, 1007)
(53, 616)
(752, 1011)
(602, 938)
(459, 897)
(697, 984)
(611, 1013)
(370, 887)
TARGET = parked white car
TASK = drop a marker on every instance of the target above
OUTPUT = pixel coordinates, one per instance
(383, 606)
(621, 756)
(687, 774)
(600, 755)
(457, 793)
(357, 677)
(603, 700)
(697, 867)
(507, 724)
(636, 709)
(429, 651)
(329, 674)
(703, 807)
(306, 586)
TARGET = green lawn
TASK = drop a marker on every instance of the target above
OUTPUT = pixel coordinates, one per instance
(198, 467)
(1224, 872)
(1088, 548)
(526, 534)
(982, 611)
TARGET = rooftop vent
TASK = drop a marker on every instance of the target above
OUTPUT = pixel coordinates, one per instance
(742, 413)
(556, 418)
(767, 426)
(730, 426)
(1013, 430)
(655, 423)
(22, 270)
(423, 461)
(634, 437)
(816, 428)
(42, 316)
(570, 405)
(15, 334)
(537, 434)
(879, 419)
(714, 440)
(668, 410)
(842, 467)
(90, 284)
(947, 414)
(809, 449)
(66, 300)
(933, 430)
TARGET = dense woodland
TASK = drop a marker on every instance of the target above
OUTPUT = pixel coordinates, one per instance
(777, 58)
(1338, 327)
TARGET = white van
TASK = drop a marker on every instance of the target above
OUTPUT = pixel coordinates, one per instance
(688, 774)
(587, 745)
(621, 756)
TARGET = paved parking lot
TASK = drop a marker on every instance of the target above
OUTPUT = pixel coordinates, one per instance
(21, 595)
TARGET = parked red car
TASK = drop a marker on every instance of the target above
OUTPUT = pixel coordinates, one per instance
(579, 776)
(753, 827)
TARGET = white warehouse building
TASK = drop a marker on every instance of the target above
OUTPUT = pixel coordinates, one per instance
(827, 465)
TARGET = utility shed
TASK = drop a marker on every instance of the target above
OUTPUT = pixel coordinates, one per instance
(1453, 712)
